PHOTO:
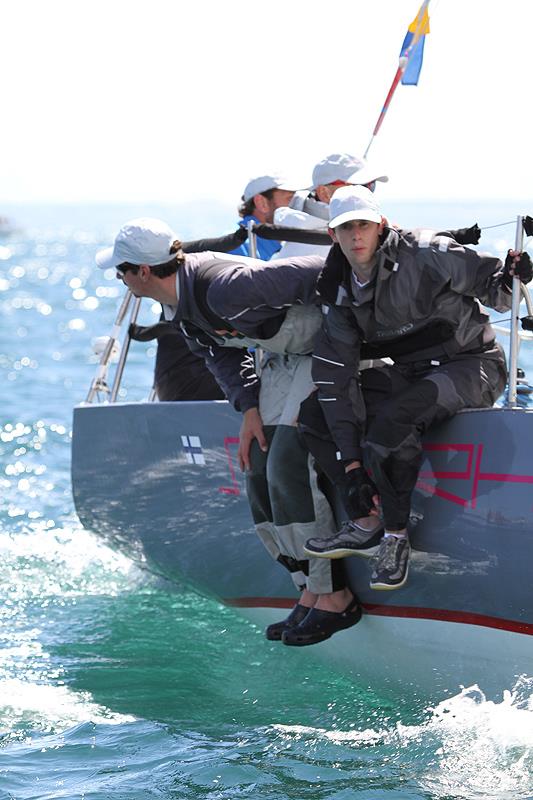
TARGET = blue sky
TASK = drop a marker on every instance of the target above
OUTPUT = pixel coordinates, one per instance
(166, 100)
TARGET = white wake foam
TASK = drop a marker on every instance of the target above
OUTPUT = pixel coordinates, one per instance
(48, 708)
(468, 747)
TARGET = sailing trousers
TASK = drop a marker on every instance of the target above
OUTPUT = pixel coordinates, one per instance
(402, 402)
(287, 503)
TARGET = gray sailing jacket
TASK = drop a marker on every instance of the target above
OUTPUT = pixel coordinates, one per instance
(423, 309)
(219, 292)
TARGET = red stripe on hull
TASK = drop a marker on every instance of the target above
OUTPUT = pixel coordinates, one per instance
(405, 612)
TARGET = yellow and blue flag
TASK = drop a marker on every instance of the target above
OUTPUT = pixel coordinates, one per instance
(413, 46)
(410, 64)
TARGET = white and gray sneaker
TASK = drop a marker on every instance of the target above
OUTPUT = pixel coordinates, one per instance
(392, 563)
(351, 540)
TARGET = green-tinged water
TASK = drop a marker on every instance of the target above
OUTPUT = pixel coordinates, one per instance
(115, 687)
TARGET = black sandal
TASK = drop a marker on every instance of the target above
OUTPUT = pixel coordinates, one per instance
(297, 615)
(320, 625)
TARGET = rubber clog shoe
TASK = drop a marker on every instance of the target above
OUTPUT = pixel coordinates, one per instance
(321, 625)
(298, 614)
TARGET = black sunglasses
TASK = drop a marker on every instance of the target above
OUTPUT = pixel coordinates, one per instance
(123, 268)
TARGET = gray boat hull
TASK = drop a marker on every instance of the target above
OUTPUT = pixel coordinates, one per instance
(159, 482)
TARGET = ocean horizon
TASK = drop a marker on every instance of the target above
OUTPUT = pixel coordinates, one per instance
(207, 217)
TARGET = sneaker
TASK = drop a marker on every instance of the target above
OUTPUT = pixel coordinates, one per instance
(392, 563)
(351, 540)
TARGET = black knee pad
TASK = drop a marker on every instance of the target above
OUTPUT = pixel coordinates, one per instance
(288, 478)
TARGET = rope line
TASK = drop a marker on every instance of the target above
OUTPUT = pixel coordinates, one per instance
(498, 225)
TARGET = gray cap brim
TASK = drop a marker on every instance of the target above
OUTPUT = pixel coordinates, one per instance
(350, 216)
(366, 175)
(360, 178)
(106, 259)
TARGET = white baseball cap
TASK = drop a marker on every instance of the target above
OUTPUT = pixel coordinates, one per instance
(353, 202)
(346, 168)
(140, 241)
(264, 184)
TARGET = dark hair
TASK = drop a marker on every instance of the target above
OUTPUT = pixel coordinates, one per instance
(247, 207)
(161, 270)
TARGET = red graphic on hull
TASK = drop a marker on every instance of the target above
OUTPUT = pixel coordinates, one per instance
(471, 473)
(234, 488)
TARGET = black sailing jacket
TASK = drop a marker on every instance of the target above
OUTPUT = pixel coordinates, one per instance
(424, 308)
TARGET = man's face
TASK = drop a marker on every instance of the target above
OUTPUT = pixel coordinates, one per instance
(358, 240)
(265, 206)
(132, 280)
(280, 197)
(327, 190)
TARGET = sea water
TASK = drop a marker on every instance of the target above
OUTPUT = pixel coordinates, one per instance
(116, 686)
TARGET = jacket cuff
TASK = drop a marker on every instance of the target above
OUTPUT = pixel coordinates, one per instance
(352, 453)
(247, 402)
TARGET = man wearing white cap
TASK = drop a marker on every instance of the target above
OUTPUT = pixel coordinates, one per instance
(260, 199)
(411, 296)
(308, 209)
(179, 374)
(225, 304)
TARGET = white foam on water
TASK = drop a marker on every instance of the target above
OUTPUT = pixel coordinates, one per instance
(469, 748)
(484, 748)
(48, 708)
(46, 560)
(42, 569)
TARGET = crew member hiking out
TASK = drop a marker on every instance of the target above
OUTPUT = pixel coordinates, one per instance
(225, 304)
(411, 296)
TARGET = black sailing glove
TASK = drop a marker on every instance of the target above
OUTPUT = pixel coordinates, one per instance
(467, 235)
(521, 268)
(357, 492)
(528, 225)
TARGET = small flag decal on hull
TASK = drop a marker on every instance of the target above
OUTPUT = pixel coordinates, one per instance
(193, 449)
